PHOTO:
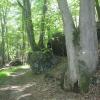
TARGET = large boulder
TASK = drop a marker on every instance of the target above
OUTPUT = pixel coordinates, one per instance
(57, 44)
(41, 61)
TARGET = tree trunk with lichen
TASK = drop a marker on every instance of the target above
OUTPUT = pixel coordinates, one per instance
(88, 43)
(69, 30)
(82, 59)
(3, 33)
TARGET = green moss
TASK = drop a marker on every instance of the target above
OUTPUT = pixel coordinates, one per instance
(84, 80)
(84, 83)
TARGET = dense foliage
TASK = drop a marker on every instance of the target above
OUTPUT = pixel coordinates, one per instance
(13, 36)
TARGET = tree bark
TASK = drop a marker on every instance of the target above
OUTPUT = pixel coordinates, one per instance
(42, 33)
(3, 31)
(88, 42)
(69, 29)
(3, 44)
(28, 24)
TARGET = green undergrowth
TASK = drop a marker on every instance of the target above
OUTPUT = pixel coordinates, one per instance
(6, 72)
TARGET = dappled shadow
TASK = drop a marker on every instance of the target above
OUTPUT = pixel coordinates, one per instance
(25, 86)
(18, 88)
(27, 96)
(15, 91)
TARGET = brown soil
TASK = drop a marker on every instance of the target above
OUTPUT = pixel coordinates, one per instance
(25, 86)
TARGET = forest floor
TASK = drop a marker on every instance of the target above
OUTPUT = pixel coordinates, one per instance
(23, 85)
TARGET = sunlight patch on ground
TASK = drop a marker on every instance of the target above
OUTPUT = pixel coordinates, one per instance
(18, 74)
(5, 72)
(25, 66)
(24, 96)
(18, 87)
(15, 67)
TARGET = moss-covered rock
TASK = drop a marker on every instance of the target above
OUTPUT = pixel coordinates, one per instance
(41, 61)
(57, 44)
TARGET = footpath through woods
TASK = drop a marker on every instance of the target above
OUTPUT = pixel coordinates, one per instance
(22, 85)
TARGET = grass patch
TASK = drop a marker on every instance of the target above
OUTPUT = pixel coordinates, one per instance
(8, 71)
(5, 73)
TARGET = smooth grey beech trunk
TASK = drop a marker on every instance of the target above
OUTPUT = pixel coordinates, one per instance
(69, 29)
(88, 42)
(3, 20)
(82, 61)
(88, 34)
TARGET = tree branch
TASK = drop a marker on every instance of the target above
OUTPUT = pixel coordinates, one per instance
(19, 3)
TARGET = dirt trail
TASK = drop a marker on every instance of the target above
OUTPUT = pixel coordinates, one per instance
(25, 86)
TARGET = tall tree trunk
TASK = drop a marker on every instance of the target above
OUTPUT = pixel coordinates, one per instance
(98, 9)
(23, 36)
(23, 29)
(42, 33)
(69, 29)
(3, 31)
(3, 44)
(7, 44)
(88, 42)
(28, 23)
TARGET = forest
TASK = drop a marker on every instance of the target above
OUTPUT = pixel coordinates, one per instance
(50, 50)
